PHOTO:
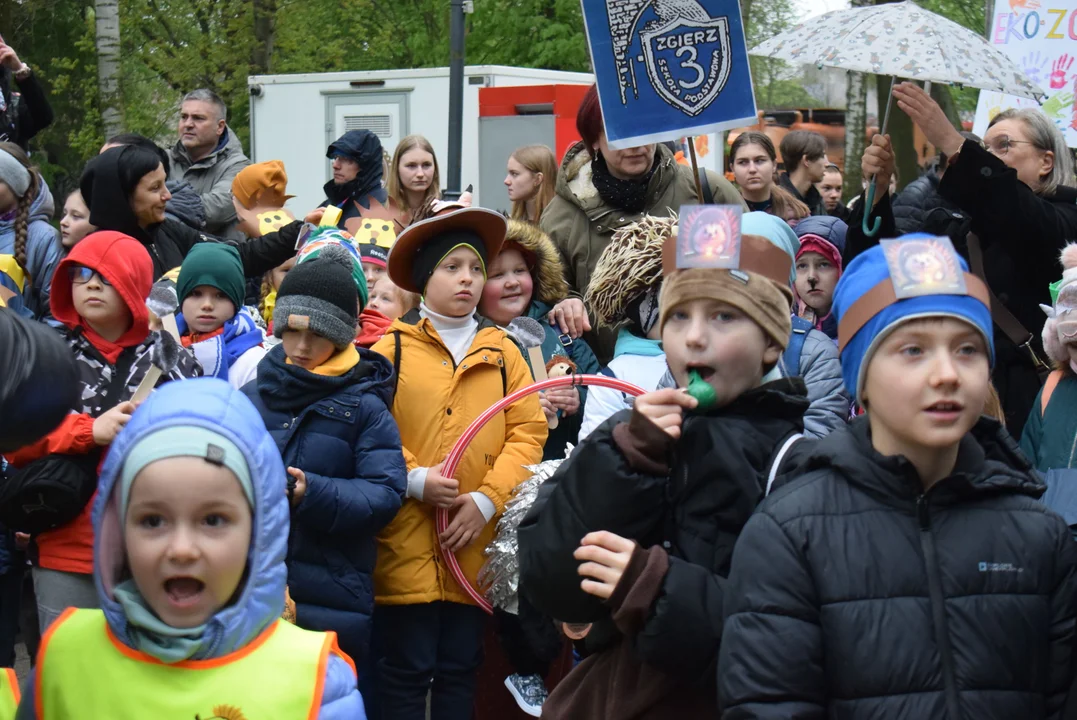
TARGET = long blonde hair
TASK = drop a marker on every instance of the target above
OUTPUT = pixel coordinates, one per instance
(537, 159)
(396, 189)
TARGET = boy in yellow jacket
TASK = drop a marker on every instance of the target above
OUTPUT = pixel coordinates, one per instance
(451, 366)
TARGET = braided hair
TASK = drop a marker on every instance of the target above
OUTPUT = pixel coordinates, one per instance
(22, 213)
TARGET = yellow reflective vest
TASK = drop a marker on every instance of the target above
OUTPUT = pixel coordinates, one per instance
(84, 671)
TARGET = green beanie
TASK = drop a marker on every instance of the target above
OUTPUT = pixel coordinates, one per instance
(214, 264)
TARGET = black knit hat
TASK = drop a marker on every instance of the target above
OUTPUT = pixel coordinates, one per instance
(319, 295)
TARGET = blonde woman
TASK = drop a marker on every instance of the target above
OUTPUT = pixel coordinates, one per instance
(415, 179)
(531, 181)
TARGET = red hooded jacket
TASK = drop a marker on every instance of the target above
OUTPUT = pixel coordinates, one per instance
(126, 265)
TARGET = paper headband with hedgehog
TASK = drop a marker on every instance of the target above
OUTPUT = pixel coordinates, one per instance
(709, 236)
(917, 266)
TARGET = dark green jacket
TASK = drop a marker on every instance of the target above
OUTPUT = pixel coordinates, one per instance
(1050, 439)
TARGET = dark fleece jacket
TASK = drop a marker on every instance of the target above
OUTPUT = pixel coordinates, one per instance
(655, 641)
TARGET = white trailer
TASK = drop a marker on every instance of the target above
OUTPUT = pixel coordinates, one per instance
(293, 118)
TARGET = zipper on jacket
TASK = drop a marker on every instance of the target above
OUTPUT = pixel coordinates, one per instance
(1073, 448)
(938, 608)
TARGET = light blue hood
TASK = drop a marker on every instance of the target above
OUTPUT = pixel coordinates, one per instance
(211, 403)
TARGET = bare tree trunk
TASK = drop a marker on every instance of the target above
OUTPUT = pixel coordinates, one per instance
(856, 120)
(856, 102)
(107, 14)
(265, 14)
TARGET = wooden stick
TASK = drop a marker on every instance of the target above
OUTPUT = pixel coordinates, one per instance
(538, 369)
(149, 380)
(538, 365)
(695, 171)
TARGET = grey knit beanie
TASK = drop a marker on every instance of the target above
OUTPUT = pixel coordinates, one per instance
(14, 174)
(319, 295)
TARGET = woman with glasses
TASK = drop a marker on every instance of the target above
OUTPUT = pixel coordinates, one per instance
(1017, 188)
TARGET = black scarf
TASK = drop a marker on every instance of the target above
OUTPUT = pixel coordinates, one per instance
(627, 195)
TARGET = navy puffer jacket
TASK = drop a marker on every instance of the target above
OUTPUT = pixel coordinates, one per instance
(340, 433)
(856, 594)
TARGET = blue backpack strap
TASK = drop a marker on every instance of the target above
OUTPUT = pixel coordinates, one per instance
(790, 361)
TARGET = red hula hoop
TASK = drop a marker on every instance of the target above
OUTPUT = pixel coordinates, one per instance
(461, 446)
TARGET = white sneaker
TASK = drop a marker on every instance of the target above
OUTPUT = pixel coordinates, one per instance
(529, 692)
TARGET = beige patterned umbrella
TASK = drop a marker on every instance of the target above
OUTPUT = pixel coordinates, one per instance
(903, 40)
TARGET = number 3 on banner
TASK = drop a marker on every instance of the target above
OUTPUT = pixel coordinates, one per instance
(691, 64)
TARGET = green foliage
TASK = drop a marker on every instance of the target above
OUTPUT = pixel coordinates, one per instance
(775, 81)
(170, 47)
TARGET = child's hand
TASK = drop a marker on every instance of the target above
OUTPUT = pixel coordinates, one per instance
(465, 526)
(439, 490)
(603, 558)
(665, 408)
(300, 485)
(108, 426)
(547, 407)
(567, 400)
(314, 216)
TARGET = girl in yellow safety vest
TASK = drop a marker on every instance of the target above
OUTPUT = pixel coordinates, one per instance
(191, 529)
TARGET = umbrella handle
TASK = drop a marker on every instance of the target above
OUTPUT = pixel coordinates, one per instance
(871, 230)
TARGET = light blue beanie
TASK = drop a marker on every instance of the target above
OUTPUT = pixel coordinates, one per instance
(864, 273)
(776, 230)
(183, 441)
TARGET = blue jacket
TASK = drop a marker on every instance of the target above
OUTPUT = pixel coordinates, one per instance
(43, 254)
(213, 403)
(340, 433)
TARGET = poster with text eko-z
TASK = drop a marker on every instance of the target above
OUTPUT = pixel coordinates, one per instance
(669, 68)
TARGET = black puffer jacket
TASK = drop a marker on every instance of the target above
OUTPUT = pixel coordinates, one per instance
(1021, 234)
(854, 594)
(38, 382)
(687, 500)
(920, 208)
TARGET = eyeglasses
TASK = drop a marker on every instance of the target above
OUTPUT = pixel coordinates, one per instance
(80, 275)
(1002, 146)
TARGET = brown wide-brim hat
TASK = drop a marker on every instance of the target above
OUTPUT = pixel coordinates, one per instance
(490, 226)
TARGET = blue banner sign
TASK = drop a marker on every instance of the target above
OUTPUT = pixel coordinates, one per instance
(669, 68)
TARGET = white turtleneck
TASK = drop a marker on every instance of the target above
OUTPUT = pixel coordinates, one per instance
(457, 333)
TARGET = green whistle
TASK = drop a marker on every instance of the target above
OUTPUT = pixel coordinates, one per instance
(701, 390)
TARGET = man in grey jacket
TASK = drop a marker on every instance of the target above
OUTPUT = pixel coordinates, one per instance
(208, 155)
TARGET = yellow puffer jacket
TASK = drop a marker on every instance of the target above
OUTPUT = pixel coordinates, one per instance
(435, 402)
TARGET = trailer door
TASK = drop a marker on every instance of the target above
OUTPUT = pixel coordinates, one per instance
(383, 113)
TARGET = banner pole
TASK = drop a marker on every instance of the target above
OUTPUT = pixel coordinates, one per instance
(695, 171)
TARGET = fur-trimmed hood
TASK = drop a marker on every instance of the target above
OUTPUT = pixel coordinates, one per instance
(547, 270)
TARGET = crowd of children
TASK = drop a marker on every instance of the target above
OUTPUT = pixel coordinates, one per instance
(254, 482)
